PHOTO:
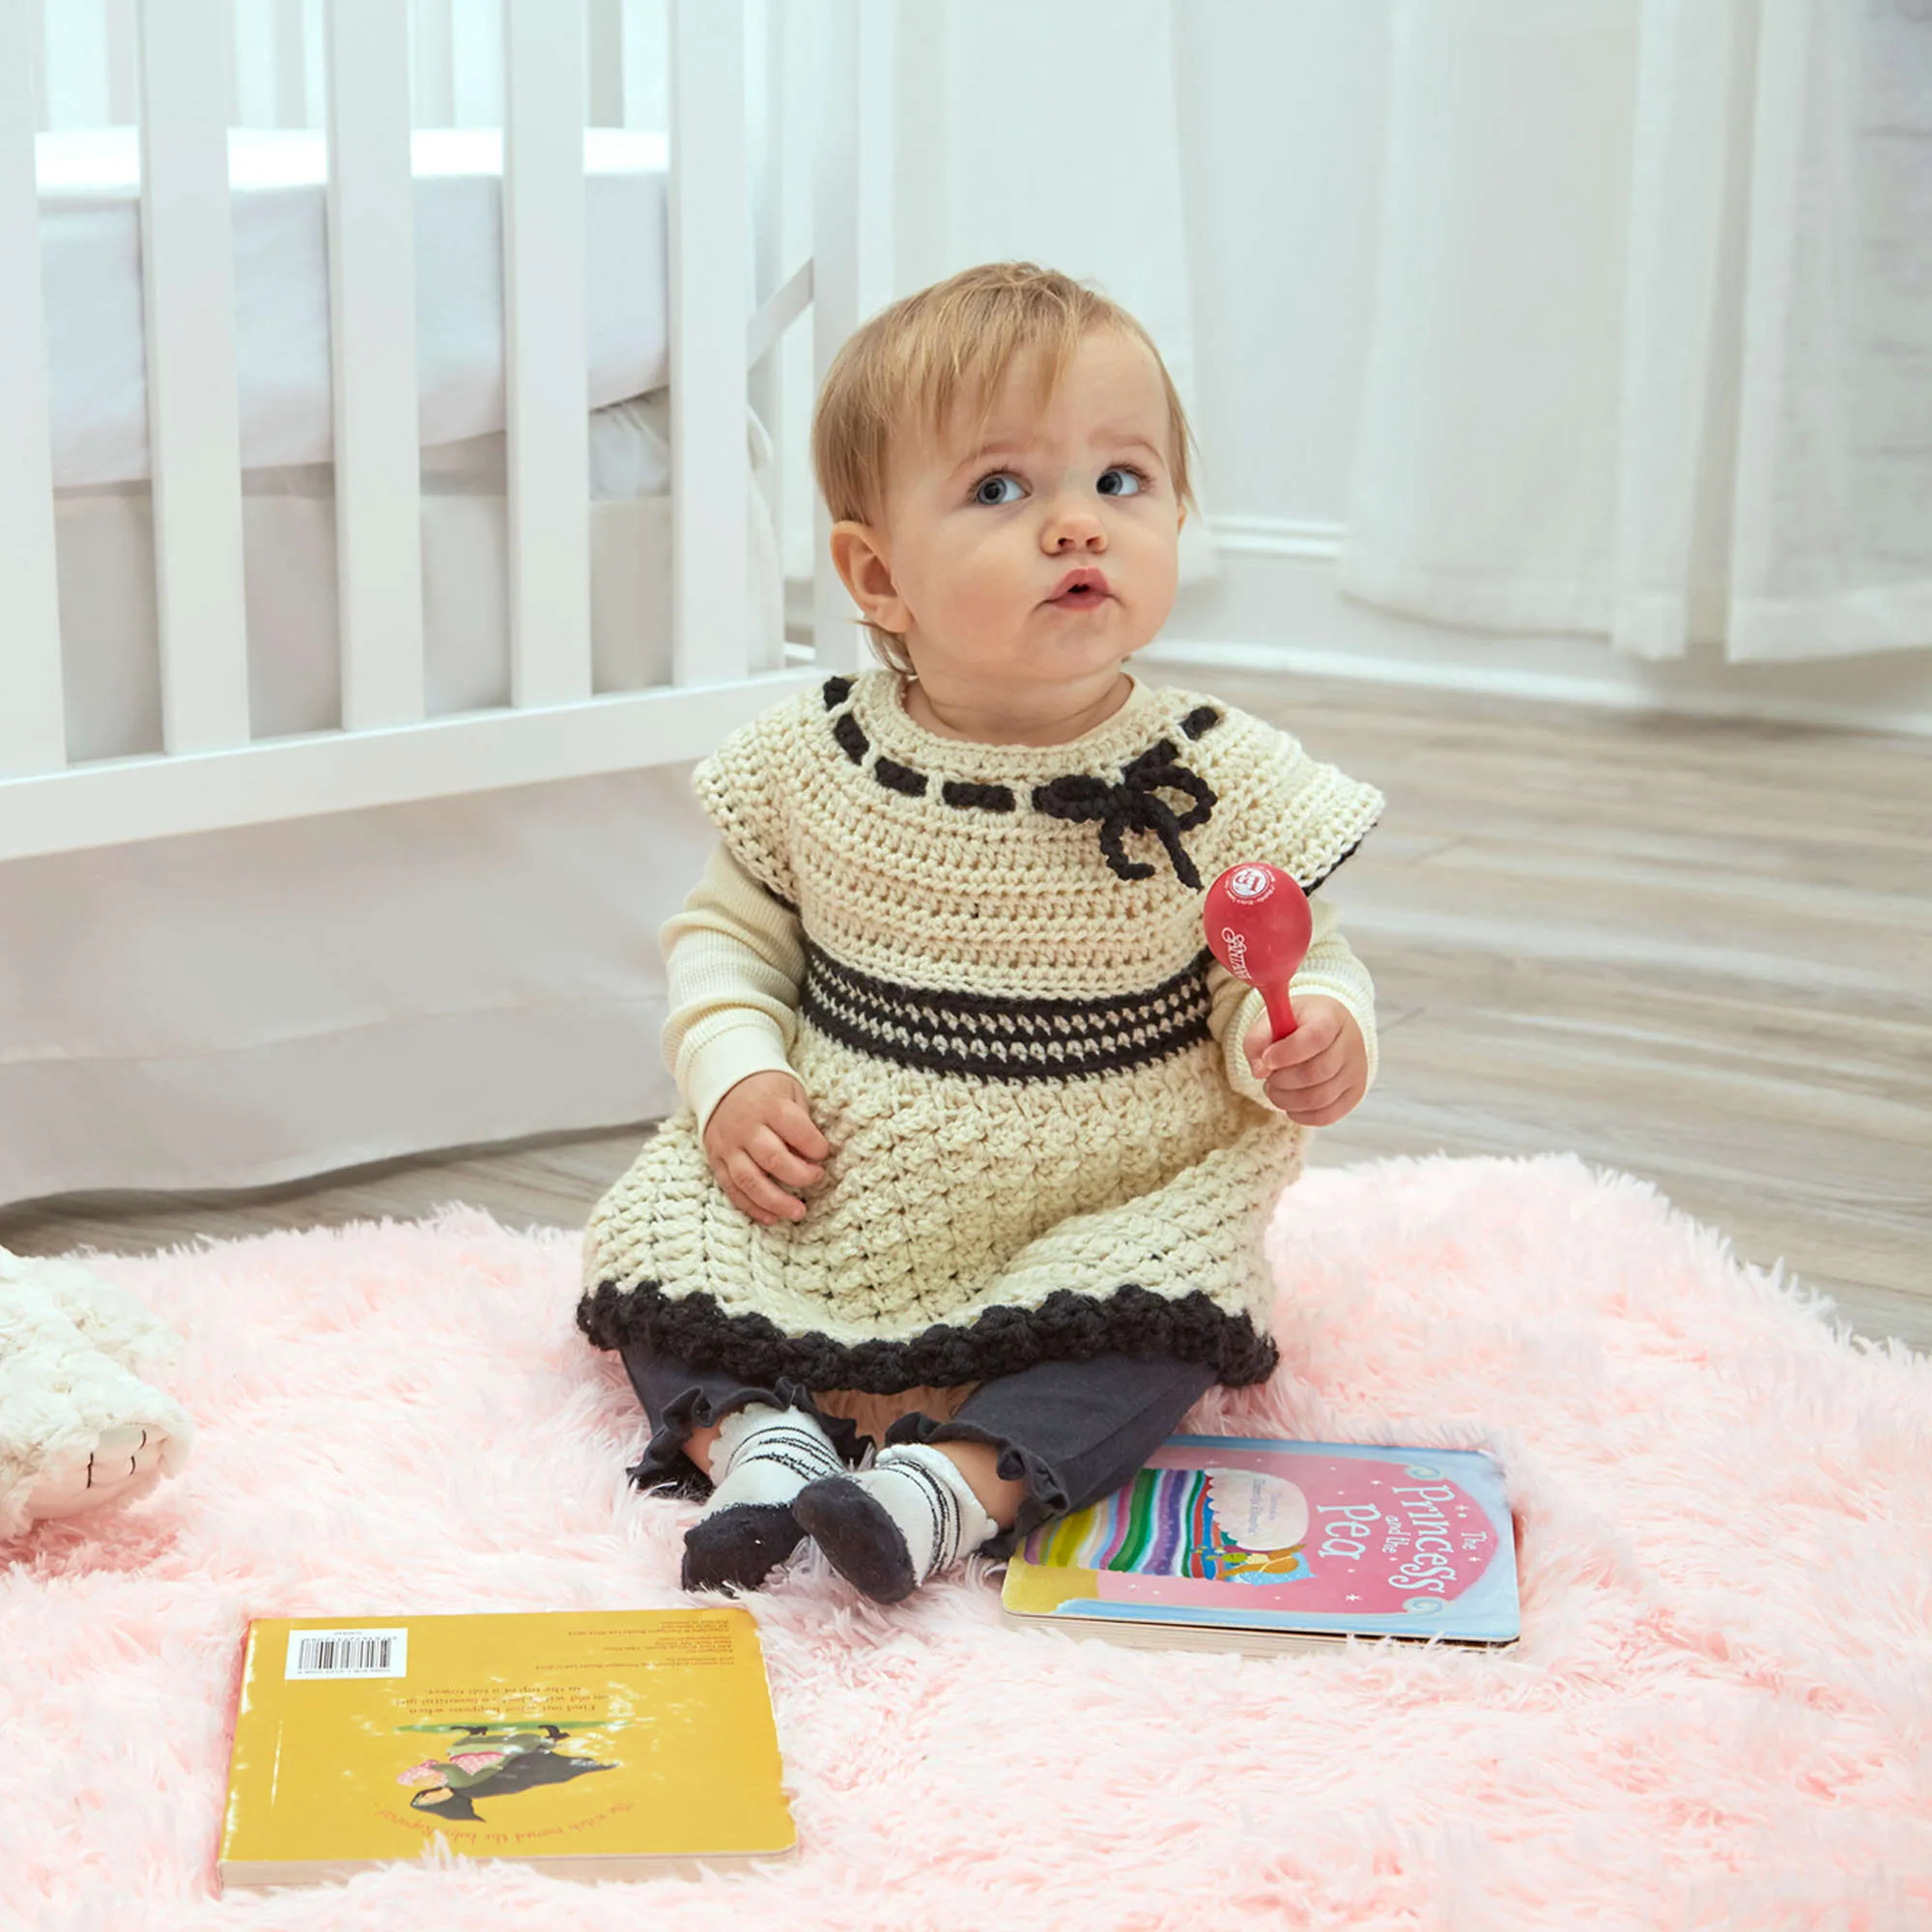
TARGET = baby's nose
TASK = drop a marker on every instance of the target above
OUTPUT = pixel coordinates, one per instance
(1077, 530)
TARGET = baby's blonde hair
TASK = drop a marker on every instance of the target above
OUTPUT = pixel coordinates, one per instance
(914, 362)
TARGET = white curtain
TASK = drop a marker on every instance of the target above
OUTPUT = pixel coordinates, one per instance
(1651, 352)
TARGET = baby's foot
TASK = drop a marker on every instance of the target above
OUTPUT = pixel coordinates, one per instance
(762, 1459)
(888, 1528)
(88, 1475)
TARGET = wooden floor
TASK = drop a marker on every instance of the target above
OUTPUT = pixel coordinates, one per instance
(1699, 952)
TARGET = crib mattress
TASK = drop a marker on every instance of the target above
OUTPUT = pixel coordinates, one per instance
(91, 251)
(103, 539)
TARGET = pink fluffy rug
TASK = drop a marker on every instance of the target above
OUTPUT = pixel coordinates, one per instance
(1720, 1714)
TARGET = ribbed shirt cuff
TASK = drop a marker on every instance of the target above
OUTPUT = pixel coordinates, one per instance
(712, 1068)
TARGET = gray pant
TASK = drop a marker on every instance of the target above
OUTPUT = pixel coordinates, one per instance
(1071, 1431)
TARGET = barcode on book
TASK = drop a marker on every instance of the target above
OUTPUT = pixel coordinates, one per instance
(349, 1653)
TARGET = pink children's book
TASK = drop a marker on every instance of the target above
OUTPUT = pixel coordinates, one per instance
(1240, 1542)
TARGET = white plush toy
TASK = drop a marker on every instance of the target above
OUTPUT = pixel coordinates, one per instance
(78, 1426)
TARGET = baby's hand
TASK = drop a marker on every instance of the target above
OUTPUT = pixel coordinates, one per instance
(1321, 1071)
(762, 1134)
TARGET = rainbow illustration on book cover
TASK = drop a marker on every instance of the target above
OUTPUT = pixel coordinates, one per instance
(1322, 1537)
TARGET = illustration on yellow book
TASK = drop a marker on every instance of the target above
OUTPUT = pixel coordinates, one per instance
(492, 1761)
(591, 1743)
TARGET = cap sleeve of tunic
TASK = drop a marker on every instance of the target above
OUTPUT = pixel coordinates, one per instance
(1275, 804)
(744, 787)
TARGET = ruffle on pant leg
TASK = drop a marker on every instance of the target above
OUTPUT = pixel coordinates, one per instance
(665, 1468)
(1045, 1492)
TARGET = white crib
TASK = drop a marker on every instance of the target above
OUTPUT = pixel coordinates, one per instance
(366, 70)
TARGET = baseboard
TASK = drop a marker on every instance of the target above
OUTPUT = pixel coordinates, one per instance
(1274, 607)
(1535, 687)
(1276, 536)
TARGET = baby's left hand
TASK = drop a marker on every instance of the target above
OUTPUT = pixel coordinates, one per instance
(1321, 1071)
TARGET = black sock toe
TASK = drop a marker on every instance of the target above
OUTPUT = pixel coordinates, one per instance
(739, 1547)
(859, 1538)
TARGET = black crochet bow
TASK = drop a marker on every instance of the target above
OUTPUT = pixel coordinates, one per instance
(1134, 804)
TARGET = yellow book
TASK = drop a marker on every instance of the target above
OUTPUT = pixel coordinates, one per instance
(589, 1744)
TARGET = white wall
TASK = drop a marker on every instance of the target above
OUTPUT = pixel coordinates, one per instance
(1282, 115)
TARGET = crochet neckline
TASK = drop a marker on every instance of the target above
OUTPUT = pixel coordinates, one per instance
(881, 704)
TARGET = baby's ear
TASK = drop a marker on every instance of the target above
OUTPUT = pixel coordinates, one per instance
(859, 556)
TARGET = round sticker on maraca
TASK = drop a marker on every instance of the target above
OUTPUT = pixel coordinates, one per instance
(1259, 927)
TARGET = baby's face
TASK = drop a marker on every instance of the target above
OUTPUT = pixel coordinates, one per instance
(1043, 550)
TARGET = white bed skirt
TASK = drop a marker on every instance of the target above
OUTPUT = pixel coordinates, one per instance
(245, 1006)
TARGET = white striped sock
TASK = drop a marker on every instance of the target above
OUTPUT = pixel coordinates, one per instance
(765, 1456)
(926, 1495)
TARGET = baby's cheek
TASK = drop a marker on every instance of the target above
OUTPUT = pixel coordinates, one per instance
(986, 596)
(949, 605)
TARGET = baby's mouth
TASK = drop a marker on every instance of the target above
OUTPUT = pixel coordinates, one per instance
(1080, 588)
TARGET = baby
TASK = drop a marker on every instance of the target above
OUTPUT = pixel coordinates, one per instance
(979, 1143)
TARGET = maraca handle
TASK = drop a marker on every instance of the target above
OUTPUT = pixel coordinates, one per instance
(1281, 1013)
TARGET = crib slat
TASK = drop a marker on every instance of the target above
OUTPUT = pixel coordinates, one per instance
(765, 381)
(764, 155)
(710, 253)
(373, 336)
(835, 292)
(603, 72)
(646, 80)
(187, 275)
(76, 58)
(434, 62)
(124, 83)
(548, 383)
(295, 63)
(477, 34)
(257, 93)
(32, 732)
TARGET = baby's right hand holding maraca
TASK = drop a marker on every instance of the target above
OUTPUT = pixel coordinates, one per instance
(1308, 1054)
(1321, 1071)
(761, 1142)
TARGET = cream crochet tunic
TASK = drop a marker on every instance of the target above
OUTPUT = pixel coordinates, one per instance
(1045, 1140)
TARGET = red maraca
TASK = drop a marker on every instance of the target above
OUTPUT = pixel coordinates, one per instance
(1259, 927)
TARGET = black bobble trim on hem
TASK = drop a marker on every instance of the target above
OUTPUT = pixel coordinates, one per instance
(1066, 1328)
(854, 740)
(1203, 718)
(835, 690)
(897, 777)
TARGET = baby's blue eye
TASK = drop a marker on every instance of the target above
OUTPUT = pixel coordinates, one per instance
(1118, 482)
(990, 488)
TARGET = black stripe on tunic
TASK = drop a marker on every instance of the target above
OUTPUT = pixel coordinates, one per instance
(998, 1039)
